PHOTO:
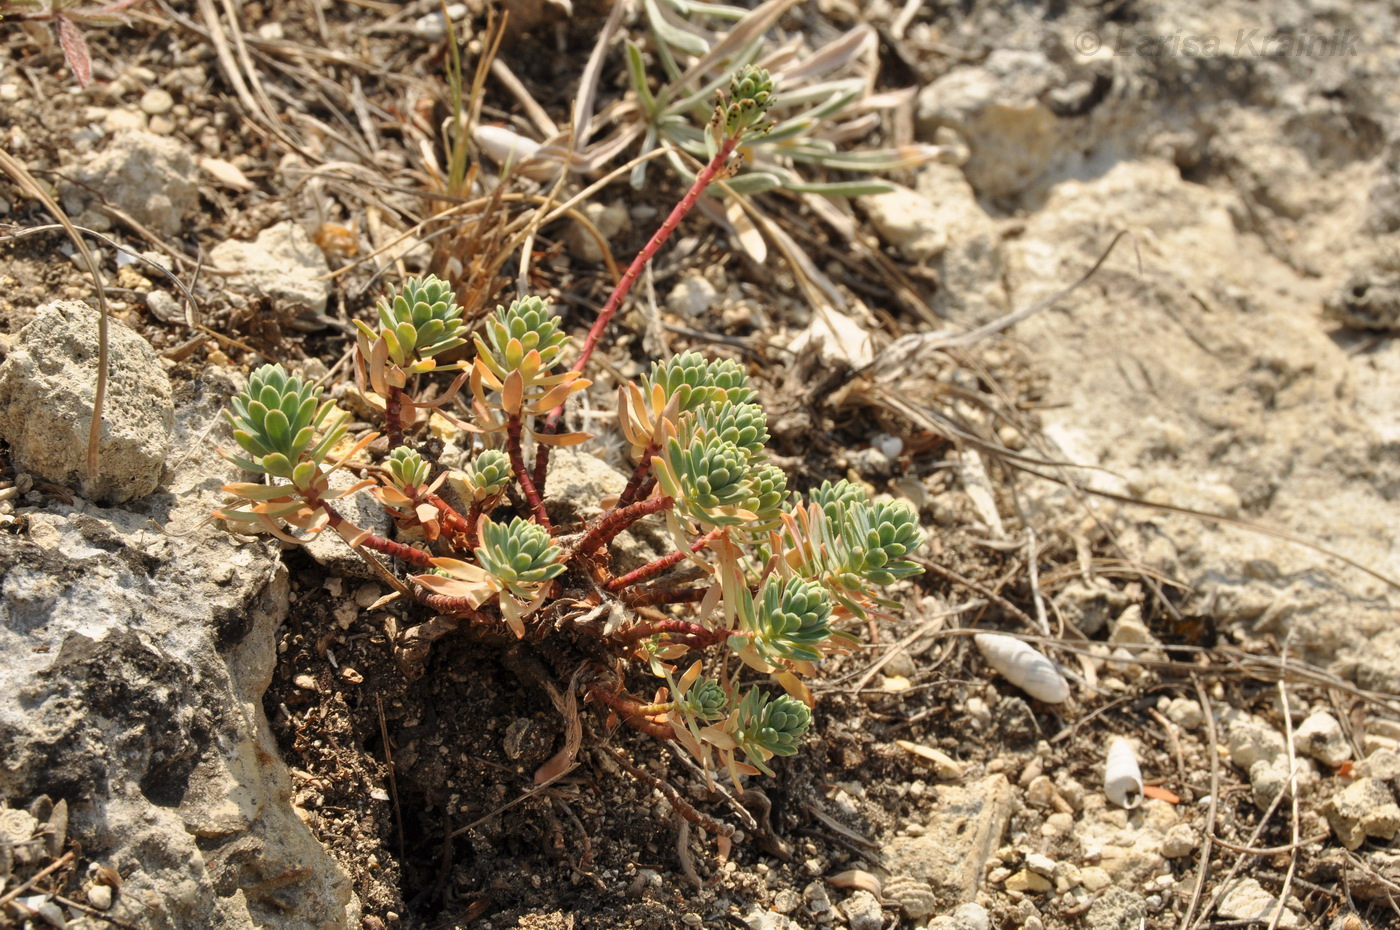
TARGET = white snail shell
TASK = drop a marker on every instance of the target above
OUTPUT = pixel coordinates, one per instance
(1024, 667)
(1122, 779)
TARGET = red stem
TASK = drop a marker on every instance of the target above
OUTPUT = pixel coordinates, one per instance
(445, 604)
(629, 277)
(660, 597)
(652, 569)
(517, 464)
(378, 543)
(639, 475)
(694, 633)
(393, 417)
(618, 519)
(631, 711)
(452, 521)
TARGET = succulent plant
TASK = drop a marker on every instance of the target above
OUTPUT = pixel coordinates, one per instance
(705, 701)
(708, 479)
(766, 726)
(750, 98)
(515, 331)
(696, 380)
(832, 497)
(275, 419)
(416, 322)
(777, 578)
(518, 554)
(879, 535)
(407, 469)
(744, 425)
(790, 620)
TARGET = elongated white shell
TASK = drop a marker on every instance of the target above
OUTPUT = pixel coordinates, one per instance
(1122, 779)
(1023, 667)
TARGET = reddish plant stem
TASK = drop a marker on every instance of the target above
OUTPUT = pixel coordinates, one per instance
(694, 633)
(629, 277)
(660, 597)
(379, 544)
(652, 569)
(639, 475)
(452, 521)
(473, 518)
(632, 711)
(446, 604)
(393, 417)
(517, 464)
(618, 519)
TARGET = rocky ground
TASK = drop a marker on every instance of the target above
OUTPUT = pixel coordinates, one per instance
(1179, 480)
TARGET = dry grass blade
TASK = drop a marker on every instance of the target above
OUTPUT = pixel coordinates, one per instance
(26, 182)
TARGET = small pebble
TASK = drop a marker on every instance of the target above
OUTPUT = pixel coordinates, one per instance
(157, 102)
(100, 896)
(305, 682)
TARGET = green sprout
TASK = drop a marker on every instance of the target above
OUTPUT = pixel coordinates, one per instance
(790, 620)
(764, 727)
(417, 322)
(407, 470)
(275, 419)
(696, 380)
(519, 554)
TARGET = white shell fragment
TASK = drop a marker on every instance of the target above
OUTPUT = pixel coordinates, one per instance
(944, 765)
(1122, 779)
(1024, 667)
(856, 878)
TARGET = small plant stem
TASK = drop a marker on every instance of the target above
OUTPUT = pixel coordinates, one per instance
(618, 519)
(517, 464)
(473, 518)
(376, 543)
(393, 417)
(446, 604)
(652, 569)
(632, 711)
(639, 475)
(452, 521)
(694, 633)
(634, 271)
(660, 597)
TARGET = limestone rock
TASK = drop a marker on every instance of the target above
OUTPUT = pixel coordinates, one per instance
(997, 106)
(970, 916)
(863, 912)
(609, 218)
(1321, 737)
(693, 296)
(281, 265)
(47, 383)
(1364, 808)
(1252, 741)
(963, 830)
(1116, 909)
(133, 690)
(362, 509)
(148, 177)
(1249, 900)
(907, 222)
